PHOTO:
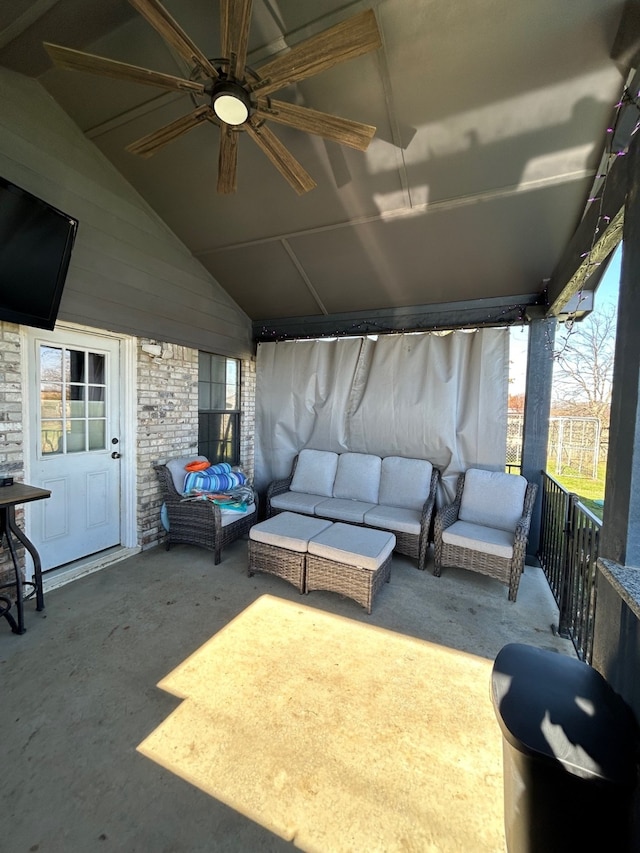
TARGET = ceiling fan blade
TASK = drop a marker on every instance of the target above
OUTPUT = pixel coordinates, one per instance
(173, 34)
(341, 130)
(350, 38)
(227, 160)
(235, 18)
(77, 60)
(282, 159)
(153, 142)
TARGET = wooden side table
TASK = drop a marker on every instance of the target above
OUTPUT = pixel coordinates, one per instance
(10, 497)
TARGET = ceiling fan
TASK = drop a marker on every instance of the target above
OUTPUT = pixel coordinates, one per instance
(235, 97)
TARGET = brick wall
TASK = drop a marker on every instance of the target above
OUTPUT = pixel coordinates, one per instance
(167, 415)
(248, 416)
(168, 422)
(11, 442)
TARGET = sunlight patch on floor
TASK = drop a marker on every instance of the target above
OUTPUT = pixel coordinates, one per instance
(338, 735)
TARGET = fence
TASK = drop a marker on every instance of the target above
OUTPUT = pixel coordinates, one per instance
(574, 444)
(569, 541)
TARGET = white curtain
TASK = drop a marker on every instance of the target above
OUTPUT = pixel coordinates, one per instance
(436, 397)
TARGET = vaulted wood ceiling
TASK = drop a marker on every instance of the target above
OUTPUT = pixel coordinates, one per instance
(491, 119)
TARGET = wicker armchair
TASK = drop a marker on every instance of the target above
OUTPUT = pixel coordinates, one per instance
(201, 522)
(486, 528)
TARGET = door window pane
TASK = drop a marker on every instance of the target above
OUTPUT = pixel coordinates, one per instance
(76, 366)
(96, 368)
(76, 436)
(51, 364)
(51, 400)
(51, 437)
(73, 404)
(97, 435)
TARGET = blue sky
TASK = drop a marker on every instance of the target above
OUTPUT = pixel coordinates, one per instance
(606, 294)
(610, 284)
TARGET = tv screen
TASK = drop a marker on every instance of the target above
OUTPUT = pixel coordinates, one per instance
(35, 250)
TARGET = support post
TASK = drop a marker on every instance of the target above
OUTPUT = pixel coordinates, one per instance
(536, 415)
(621, 526)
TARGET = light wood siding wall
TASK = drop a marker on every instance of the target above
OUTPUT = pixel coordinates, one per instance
(129, 273)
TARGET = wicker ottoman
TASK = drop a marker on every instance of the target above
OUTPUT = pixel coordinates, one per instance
(353, 561)
(278, 545)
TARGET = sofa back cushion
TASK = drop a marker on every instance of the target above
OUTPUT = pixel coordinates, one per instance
(405, 482)
(315, 472)
(492, 498)
(177, 469)
(358, 477)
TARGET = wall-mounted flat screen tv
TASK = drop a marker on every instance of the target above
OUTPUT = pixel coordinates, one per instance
(35, 249)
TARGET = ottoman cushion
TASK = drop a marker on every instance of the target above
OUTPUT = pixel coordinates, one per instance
(288, 530)
(353, 546)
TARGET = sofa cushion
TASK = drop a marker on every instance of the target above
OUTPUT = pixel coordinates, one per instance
(487, 540)
(395, 518)
(297, 502)
(288, 530)
(178, 472)
(354, 546)
(492, 498)
(358, 477)
(315, 472)
(404, 482)
(343, 509)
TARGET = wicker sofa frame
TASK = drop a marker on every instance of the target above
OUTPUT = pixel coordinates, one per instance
(199, 522)
(411, 545)
(502, 569)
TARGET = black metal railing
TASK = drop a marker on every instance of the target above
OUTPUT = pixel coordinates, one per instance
(569, 541)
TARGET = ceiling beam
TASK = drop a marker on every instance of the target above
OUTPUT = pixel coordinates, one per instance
(600, 230)
(596, 237)
(501, 311)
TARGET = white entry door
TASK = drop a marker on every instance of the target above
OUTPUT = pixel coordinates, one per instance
(74, 392)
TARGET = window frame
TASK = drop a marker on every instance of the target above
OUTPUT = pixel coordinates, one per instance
(209, 414)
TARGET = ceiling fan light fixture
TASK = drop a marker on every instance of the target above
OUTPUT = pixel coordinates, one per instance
(230, 102)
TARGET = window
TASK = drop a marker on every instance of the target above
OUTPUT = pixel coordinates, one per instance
(73, 413)
(219, 408)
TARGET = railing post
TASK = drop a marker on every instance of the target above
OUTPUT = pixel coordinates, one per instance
(564, 605)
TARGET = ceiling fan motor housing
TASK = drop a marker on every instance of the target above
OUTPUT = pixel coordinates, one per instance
(230, 102)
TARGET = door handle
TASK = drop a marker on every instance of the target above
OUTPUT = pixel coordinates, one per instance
(116, 455)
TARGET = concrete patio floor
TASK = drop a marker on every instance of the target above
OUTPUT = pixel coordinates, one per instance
(79, 693)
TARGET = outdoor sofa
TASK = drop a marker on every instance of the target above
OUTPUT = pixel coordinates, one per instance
(391, 493)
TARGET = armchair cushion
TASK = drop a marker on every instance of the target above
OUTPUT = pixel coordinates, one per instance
(358, 477)
(492, 498)
(404, 482)
(178, 471)
(315, 472)
(476, 537)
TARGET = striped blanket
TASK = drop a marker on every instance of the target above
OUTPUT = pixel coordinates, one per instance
(216, 478)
